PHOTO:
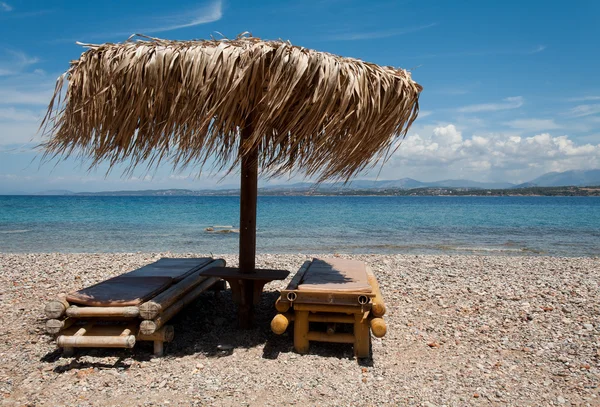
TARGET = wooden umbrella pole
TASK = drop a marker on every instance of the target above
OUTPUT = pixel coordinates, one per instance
(248, 198)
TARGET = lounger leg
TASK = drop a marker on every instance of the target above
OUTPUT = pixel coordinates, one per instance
(301, 331)
(158, 348)
(361, 337)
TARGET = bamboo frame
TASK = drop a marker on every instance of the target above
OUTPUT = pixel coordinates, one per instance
(303, 307)
(159, 337)
(148, 327)
(378, 327)
(54, 326)
(378, 305)
(56, 308)
(111, 336)
(152, 308)
(83, 312)
(125, 340)
(325, 298)
(164, 306)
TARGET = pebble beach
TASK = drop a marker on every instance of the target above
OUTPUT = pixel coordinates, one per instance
(462, 331)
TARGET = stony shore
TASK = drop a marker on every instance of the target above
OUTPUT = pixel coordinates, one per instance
(462, 330)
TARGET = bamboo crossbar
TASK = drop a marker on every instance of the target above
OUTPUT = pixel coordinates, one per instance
(82, 312)
(90, 336)
(326, 298)
(126, 341)
(330, 317)
(343, 309)
(325, 337)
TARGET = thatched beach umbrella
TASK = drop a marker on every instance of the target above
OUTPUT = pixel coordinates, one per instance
(260, 105)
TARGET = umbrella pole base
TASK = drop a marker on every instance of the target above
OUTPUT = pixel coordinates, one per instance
(246, 288)
(246, 294)
(246, 305)
(249, 292)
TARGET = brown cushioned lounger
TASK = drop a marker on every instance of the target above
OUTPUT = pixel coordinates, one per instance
(332, 291)
(138, 286)
(332, 274)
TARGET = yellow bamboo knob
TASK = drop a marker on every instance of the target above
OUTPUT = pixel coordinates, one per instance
(378, 327)
(279, 324)
(378, 309)
(281, 306)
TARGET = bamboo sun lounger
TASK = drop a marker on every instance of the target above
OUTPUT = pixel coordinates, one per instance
(332, 291)
(134, 306)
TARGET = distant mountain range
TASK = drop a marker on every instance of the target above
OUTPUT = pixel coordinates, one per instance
(575, 178)
(568, 178)
(403, 183)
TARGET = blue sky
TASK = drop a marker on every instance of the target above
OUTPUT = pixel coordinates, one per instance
(511, 88)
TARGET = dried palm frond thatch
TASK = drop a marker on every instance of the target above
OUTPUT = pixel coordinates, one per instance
(151, 100)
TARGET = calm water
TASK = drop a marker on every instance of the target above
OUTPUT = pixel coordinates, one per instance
(566, 226)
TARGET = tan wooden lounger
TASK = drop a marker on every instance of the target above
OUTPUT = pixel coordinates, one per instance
(332, 291)
(132, 307)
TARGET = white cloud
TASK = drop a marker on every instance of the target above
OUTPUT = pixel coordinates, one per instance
(205, 14)
(482, 53)
(490, 156)
(533, 124)
(14, 62)
(368, 35)
(19, 115)
(18, 132)
(509, 103)
(537, 49)
(584, 110)
(584, 98)
(21, 110)
(450, 91)
(5, 6)
(17, 96)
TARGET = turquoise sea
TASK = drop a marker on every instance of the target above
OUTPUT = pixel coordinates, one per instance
(562, 226)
